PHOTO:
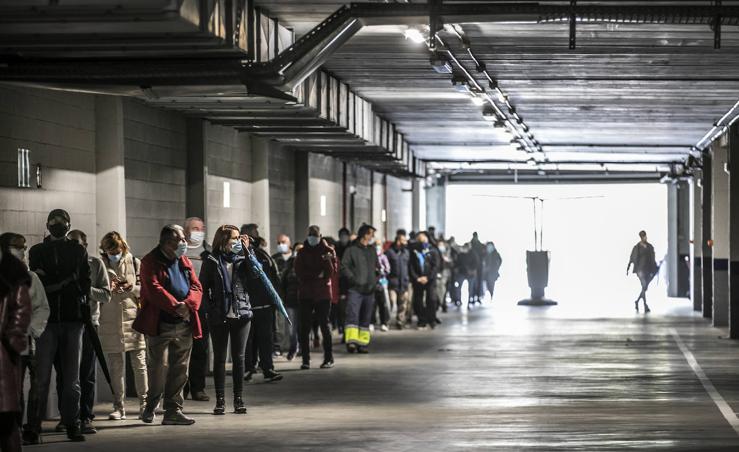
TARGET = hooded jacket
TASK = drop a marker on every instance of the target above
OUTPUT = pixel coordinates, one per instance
(315, 267)
(359, 266)
(215, 301)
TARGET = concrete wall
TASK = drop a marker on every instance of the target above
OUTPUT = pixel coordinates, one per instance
(281, 193)
(155, 161)
(399, 205)
(325, 175)
(720, 232)
(359, 178)
(228, 157)
(59, 130)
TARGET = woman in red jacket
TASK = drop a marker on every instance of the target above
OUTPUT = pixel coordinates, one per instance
(316, 266)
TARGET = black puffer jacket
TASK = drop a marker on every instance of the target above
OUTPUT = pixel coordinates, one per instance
(63, 267)
(215, 301)
(399, 258)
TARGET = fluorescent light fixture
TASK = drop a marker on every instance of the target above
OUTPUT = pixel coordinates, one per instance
(383, 215)
(226, 194)
(478, 100)
(323, 205)
(414, 35)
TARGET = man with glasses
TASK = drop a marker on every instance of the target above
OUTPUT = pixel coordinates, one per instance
(170, 298)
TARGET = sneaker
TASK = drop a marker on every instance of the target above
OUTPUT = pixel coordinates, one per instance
(271, 375)
(60, 427)
(372, 328)
(220, 408)
(422, 328)
(305, 366)
(636, 305)
(249, 374)
(239, 406)
(646, 309)
(362, 350)
(351, 348)
(87, 427)
(31, 438)
(200, 396)
(177, 418)
(75, 434)
(327, 364)
(290, 356)
(148, 416)
(118, 414)
(384, 328)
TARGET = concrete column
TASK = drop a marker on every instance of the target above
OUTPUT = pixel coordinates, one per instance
(707, 254)
(696, 239)
(260, 186)
(720, 234)
(416, 189)
(436, 206)
(110, 179)
(733, 194)
(196, 173)
(678, 245)
(302, 195)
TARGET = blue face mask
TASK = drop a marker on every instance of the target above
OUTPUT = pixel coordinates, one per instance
(425, 245)
(115, 258)
(236, 247)
(181, 249)
(313, 240)
(491, 248)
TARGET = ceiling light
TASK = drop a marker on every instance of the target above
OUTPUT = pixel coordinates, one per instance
(477, 100)
(414, 35)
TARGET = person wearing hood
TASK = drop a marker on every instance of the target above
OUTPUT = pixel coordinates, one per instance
(15, 244)
(197, 251)
(170, 299)
(225, 292)
(422, 268)
(64, 269)
(359, 266)
(117, 335)
(315, 266)
(491, 267)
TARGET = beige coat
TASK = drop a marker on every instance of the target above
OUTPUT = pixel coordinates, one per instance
(116, 317)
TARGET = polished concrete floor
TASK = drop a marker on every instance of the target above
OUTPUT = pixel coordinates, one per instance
(500, 377)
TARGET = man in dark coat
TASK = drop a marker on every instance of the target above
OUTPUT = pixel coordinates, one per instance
(359, 266)
(399, 279)
(645, 267)
(424, 262)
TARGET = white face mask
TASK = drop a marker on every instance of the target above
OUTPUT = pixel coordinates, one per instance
(18, 253)
(197, 237)
(282, 248)
(313, 240)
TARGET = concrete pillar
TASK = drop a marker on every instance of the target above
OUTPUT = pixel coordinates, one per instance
(436, 206)
(416, 189)
(696, 239)
(678, 245)
(720, 234)
(707, 254)
(196, 173)
(302, 196)
(733, 226)
(260, 186)
(110, 179)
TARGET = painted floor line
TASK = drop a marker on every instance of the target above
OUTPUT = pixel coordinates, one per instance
(720, 402)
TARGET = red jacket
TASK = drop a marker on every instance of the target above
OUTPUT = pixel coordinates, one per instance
(155, 298)
(316, 268)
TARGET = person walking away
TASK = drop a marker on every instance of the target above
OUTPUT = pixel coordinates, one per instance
(491, 267)
(645, 267)
(290, 287)
(316, 266)
(99, 295)
(224, 279)
(476, 285)
(170, 299)
(15, 244)
(359, 266)
(15, 319)
(422, 270)
(197, 251)
(444, 272)
(64, 269)
(117, 336)
(382, 297)
(398, 280)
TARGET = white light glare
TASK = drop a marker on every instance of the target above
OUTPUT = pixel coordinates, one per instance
(478, 100)
(414, 35)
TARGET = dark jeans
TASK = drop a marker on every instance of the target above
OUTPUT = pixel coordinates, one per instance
(381, 304)
(65, 337)
(259, 345)
(198, 361)
(322, 311)
(87, 378)
(424, 303)
(28, 362)
(294, 314)
(237, 330)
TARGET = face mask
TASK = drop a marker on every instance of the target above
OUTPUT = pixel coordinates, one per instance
(58, 230)
(115, 258)
(282, 248)
(442, 249)
(197, 237)
(491, 248)
(18, 253)
(344, 239)
(379, 249)
(181, 249)
(236, 247)
(425, 245)
(313, 240)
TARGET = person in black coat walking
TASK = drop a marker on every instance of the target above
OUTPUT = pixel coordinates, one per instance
(645, 267)
(399, 278)
(422, 269)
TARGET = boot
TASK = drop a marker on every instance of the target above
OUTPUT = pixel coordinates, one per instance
(636, 305)
(239, 406)
(646, 308)
(220, 408)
